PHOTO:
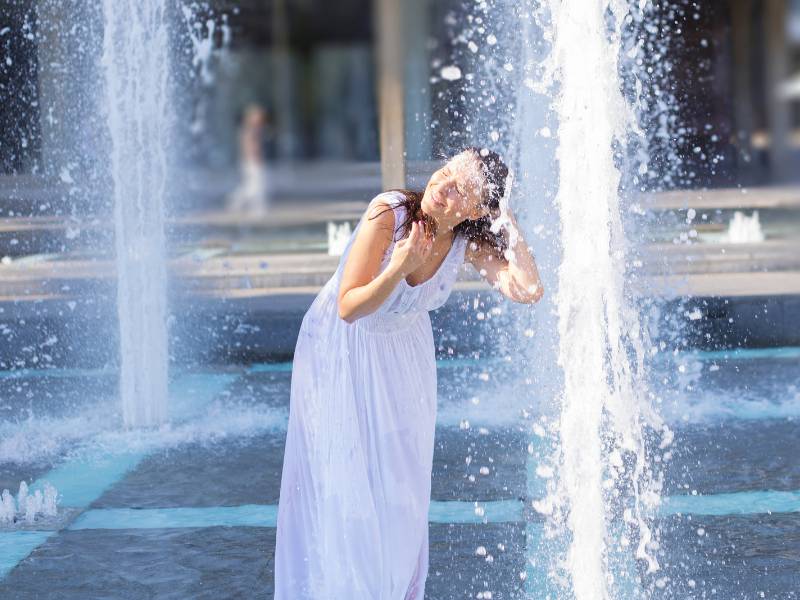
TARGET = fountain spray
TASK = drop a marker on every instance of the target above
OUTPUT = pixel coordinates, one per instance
(136, 76)
(604, 481)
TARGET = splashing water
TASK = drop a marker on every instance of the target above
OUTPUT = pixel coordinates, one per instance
(136, 69)
(743, 229)
(28, 506)
(603, 476)
(338, 235)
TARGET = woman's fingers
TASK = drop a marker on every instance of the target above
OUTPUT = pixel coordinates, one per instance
(423, 234)
(419, 244)
(420, 237)
(414, 235)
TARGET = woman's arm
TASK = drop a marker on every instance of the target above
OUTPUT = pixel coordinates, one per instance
(514, 275)
(363, 288)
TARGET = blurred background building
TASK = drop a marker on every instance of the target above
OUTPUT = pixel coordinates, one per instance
(315, 67)
(366, 95)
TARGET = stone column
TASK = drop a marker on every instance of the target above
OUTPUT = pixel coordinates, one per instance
(776, 70)
(742, 38)
(284, 112)
(391, 112)
(417, 84)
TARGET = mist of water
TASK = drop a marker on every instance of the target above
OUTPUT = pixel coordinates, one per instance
(136, 74)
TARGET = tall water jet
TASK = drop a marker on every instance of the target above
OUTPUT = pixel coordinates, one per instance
(603, 475)
(136, 75)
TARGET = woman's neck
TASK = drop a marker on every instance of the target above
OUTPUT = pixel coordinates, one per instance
(436, 227)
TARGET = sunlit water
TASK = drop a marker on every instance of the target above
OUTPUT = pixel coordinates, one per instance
(605, 495)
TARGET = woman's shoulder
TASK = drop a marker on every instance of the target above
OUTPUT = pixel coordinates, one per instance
(387, 208)
(392, 198)
(384, 203)
(381, 213)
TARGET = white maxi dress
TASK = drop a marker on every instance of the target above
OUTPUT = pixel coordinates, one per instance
(356, 479)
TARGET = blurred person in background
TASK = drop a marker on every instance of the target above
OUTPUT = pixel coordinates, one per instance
(251, 196)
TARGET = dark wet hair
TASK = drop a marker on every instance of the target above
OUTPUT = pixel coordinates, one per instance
(476, 230)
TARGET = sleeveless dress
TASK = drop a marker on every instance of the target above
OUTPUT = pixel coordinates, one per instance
(356, 478)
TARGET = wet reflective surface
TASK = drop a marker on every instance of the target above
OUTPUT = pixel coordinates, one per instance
(188, 510)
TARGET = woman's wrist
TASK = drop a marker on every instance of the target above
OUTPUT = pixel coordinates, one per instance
(510, 233)
(512, 228)
(393, 273)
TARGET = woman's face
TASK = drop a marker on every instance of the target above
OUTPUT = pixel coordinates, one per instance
(455, 192)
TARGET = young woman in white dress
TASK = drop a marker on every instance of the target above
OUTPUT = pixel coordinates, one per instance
(356, 479)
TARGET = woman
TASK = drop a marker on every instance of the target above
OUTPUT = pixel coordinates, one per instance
(356, 481)
(251, 196)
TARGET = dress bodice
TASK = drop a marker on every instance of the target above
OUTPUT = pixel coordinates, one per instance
(405, 298)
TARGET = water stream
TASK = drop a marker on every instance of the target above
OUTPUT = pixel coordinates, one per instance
(603, 476)
(136, 75)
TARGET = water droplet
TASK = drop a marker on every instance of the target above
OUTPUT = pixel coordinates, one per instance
(450, 73)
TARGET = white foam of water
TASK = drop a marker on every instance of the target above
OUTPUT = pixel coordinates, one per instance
(706, 406)
(338, 236)
(136, 69)
(743, 229)
(41, 439)
(603, 404)
(220, 422)
(28, 506)
(690, 390)
(8, 508)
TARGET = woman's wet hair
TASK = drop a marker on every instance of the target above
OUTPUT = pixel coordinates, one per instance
(494, 171)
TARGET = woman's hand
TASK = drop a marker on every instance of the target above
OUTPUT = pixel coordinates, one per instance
(410, 253)
(364, 287)
(504, 223)
(514, 273)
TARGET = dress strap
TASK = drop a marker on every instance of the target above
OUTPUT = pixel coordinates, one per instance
(461, 249)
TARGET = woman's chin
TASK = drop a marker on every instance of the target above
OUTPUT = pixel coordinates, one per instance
(430, 208)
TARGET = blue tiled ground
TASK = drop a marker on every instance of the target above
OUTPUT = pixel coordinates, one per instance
(195, 518)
